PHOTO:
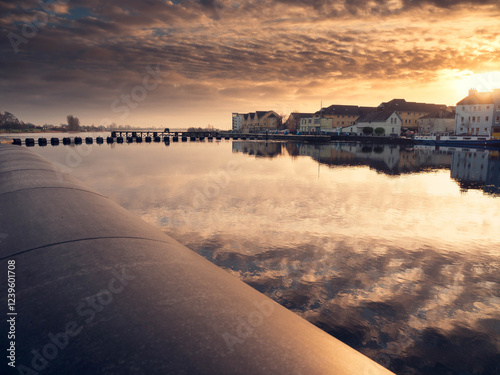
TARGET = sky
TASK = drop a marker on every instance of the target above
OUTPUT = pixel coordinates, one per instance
(194, 62)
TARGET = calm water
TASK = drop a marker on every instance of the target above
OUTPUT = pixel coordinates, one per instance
(394, 251)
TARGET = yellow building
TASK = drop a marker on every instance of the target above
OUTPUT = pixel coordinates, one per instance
(314, 125)
(343, 115)
(411, 112)
(260, 121)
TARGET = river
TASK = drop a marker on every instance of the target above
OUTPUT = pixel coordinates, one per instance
(393, 250)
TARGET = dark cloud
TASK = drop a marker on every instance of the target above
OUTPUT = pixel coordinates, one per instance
(110, 44)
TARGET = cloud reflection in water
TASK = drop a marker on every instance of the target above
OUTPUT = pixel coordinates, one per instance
(377, 246)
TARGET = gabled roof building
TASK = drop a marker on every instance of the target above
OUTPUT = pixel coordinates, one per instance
(260, 121)
(389, 121)
(410, 112)
(293, 121)
(343, 115)
(440, 122)
(479, 114)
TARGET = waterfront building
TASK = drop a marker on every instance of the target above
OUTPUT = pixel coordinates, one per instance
(343, 115)
(293, 121)
(438, 122)
(389, 121)
(237, 122)
(314, 125)
(260, 121)
(479, 114)
(411, 112)
(332, 118)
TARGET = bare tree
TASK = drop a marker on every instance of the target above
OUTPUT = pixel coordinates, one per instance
(73, 123)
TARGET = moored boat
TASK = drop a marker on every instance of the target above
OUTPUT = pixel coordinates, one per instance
(457, 140)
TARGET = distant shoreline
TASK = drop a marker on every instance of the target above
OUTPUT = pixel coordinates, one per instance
(35, 131)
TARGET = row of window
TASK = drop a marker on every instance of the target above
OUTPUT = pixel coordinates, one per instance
(478, 108)
(477, 119)
(475, 130)
(411, 114)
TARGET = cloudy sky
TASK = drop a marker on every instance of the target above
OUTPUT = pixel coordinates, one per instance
(192, 63)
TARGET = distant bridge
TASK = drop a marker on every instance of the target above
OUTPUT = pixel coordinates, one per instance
(165, 132)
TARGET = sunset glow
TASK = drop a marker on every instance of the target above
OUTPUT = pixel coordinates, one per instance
(216, 57)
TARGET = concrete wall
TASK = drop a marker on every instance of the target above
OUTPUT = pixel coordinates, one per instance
(98, 291)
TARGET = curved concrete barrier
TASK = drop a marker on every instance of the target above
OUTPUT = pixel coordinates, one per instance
(98, 291)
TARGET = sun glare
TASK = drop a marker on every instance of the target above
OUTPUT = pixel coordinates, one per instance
(483, 82)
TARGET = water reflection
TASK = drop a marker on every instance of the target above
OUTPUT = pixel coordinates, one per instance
(477, 169)
(376, 245)
(471, 168)
(259, 149)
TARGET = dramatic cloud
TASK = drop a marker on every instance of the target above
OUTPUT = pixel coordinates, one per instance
(219, 54)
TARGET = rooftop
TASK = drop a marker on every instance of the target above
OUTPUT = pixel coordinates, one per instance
(440, 114)
(475, 97)
(375, 116)
(403, 105)
(350, 110)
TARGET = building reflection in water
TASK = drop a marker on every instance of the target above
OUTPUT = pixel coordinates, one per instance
(259, 149)
(471, 168)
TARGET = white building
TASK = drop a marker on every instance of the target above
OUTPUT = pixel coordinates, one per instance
(389, 121)
(237, 121)
(438, 122)
(479, 114)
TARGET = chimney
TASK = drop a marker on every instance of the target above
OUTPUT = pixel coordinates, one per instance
(472, 92)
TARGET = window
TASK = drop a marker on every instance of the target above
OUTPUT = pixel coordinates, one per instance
(479, 119)
(473, 118)
(479, 108)
(498, 118)
(487, 107)
(462, 122)
(487, 118)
